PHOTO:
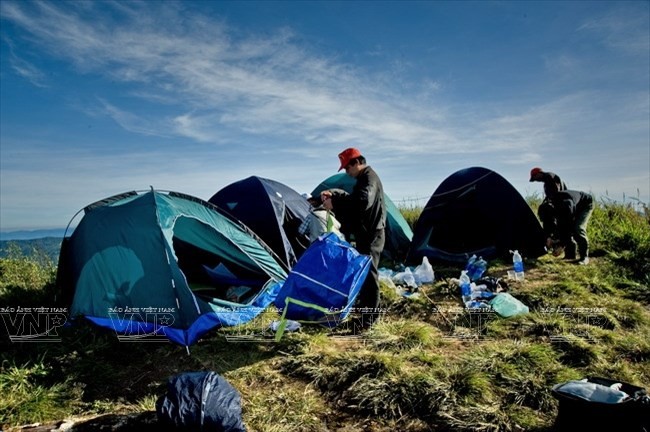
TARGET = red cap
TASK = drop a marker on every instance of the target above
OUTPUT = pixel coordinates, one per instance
(347, 155)
(534, 172)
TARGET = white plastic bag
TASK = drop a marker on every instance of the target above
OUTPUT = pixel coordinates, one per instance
(405, 278)
(291, 326)
(424, 272)
(386, 276)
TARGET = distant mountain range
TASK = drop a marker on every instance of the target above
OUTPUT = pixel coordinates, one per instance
(33, 234)
(28, 243)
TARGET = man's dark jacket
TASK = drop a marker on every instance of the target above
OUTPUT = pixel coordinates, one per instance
(363, 210)
(552, 183)
(570, 203)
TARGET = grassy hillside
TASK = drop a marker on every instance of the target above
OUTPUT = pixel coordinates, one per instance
(427, 366)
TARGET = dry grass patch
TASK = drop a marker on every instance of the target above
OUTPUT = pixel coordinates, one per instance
(273, 402)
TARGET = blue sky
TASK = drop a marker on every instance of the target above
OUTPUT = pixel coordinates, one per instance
(103, 97)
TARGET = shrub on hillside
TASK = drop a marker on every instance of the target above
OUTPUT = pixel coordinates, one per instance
(622, 233)
(26, 278)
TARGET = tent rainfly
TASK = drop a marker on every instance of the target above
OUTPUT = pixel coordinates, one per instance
(476, 211)
(165, 264)
(272, 210)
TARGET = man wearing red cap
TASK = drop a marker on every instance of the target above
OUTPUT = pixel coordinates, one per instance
(552, 181)
(363, 214)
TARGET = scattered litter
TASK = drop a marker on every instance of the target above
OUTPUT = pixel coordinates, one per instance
(601, 404)
(486, 292)
(386, 276)
(476, 267)
(291, 326)
(506, 305)
(517, 265)
(407, 280)
(594, 392)
(424, 272)
(405, 277)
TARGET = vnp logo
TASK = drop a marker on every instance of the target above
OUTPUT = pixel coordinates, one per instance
(141, 324)
(29, 324)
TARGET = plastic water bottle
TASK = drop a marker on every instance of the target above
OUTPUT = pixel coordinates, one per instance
(477, 269)
(479, 291)
(470, 263)
(518, 265)
(465, 287)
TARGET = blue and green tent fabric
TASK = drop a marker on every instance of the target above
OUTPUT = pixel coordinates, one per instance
(136, 264)
(273, 210)
(398, 231)
(323, 286)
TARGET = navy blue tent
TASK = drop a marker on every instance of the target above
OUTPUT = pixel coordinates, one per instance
(476, 211)
(271, 210)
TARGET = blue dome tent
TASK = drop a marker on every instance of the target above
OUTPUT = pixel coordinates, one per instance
(476, 211)
(144, 264)
(272, 210)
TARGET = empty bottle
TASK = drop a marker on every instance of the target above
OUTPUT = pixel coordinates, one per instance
(477, 269)
(470, 262)
(475, 304)
(465, 287)
(481, 292)
(518, 265)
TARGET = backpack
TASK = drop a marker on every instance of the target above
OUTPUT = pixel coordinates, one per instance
(200, 401)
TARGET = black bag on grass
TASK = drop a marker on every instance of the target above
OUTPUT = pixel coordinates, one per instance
(200, 401)
(600, 404)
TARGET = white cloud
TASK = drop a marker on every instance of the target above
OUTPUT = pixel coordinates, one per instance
(264, 86)
(197, 128)
(25, 68)
(624, 30)
(28, 71)
(132, 122)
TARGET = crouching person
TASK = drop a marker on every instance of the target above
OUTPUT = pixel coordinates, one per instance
(572, 210)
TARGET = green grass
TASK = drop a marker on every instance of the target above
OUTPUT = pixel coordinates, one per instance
(411, 214)
(412, 371)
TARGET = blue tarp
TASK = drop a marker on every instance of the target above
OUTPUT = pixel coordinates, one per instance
(324, 284)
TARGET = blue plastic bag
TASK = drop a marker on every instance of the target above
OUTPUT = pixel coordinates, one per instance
(324, 284)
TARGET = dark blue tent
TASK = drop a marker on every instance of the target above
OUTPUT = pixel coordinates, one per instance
(476, 211)
(271, 210)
